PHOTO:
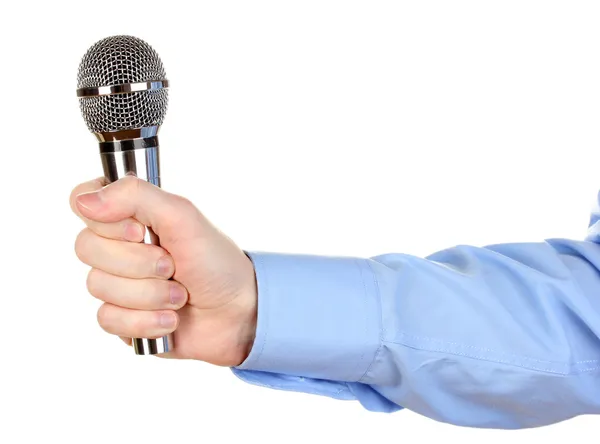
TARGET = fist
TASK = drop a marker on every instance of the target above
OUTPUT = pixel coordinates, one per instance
(197, 284)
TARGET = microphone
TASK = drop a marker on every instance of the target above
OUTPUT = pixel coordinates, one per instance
(123, 97)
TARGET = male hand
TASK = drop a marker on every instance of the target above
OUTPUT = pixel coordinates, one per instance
(197, 284)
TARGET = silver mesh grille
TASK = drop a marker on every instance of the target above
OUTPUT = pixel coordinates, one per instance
(117, 60)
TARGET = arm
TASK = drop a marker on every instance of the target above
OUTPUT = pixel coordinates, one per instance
(505, 336)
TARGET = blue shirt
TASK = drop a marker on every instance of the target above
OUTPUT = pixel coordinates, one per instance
(504, 336)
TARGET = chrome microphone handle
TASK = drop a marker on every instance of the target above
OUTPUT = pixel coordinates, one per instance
(135, 152)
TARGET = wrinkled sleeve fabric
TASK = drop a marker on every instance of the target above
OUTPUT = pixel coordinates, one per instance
(503, 336)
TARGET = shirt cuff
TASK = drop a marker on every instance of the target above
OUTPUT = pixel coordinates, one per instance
(318, 317)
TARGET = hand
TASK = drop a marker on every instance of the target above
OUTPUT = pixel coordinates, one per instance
(197, 284)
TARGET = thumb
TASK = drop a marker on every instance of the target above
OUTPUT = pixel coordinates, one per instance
(136, 198)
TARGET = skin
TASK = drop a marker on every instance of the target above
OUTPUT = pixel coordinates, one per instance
(198, 284)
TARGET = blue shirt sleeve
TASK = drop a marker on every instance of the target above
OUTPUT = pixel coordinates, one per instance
(503, 336)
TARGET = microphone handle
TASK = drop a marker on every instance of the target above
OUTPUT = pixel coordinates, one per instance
(139, 157)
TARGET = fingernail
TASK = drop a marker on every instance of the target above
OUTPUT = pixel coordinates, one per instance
(164, 267)
(90, 201)
(168, 320)
(133, 232)
(177, 294)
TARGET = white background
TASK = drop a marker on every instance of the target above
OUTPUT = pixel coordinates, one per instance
(326, 127)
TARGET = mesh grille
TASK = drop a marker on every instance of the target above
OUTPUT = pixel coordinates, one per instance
(117, 60)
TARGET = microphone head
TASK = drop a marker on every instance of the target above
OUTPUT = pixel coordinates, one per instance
(122, 85)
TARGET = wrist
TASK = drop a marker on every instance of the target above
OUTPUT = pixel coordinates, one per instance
(245, 317)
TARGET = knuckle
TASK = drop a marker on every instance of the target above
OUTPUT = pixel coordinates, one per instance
(102, 316)
(177, 202)
(93, 283)
(183, 201)
(82, 245)
(181, 211)
(186, 207)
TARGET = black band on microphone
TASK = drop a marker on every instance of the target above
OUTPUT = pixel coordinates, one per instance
(114, 146)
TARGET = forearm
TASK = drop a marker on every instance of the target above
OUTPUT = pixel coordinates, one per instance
(504, 336)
